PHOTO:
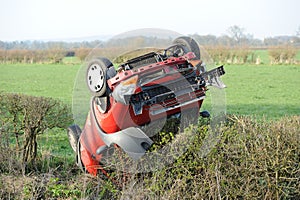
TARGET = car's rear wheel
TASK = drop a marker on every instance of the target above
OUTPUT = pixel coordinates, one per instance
(74, 132)
(188, 44)
(78, 158)
(97, 75)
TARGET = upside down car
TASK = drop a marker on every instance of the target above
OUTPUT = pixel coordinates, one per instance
(155, 85)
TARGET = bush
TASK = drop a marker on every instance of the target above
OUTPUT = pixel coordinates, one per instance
(253, 160)
(223, 54)
(24, 117)
(32, 56)
(282, 55)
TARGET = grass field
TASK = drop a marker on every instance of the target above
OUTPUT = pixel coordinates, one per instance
(271, 91)
(263, 55)
(263, 90)
(49, 80)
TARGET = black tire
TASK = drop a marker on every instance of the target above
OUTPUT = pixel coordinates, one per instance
(78, 158)
(74, 132)
(188, 44)
(96, 75)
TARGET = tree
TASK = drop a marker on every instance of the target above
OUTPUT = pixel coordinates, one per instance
(237, 33)
(225, 40)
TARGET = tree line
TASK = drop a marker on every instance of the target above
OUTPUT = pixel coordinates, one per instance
(236, 37)
(235, 47)
(219, 53)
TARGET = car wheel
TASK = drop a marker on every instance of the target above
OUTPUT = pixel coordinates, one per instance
(188, 44)
(74, 132)
(78, 158)
(96, 75)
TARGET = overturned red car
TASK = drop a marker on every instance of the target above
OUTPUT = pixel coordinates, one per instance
(147, 88)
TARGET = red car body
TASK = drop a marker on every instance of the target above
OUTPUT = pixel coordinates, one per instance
(138, 95)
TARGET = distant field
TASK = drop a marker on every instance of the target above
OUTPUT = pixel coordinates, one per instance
(50, 80)
(271, 91)
(263, 55)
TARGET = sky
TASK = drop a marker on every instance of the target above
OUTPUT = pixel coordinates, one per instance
(66, 19)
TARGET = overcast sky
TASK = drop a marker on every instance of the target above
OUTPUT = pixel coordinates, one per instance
(51, 19)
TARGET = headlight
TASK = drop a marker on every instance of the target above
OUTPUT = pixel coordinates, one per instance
(202, 67)
(125, 89)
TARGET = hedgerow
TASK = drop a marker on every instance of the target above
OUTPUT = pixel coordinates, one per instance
(252, 160)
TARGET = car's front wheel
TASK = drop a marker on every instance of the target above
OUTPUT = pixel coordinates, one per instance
(98, 72)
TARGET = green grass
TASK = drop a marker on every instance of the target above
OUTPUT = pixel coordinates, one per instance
(259, 91)
(71, 60)
(271, 91)
(263, 55)
(49, 80)
(55, 143)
